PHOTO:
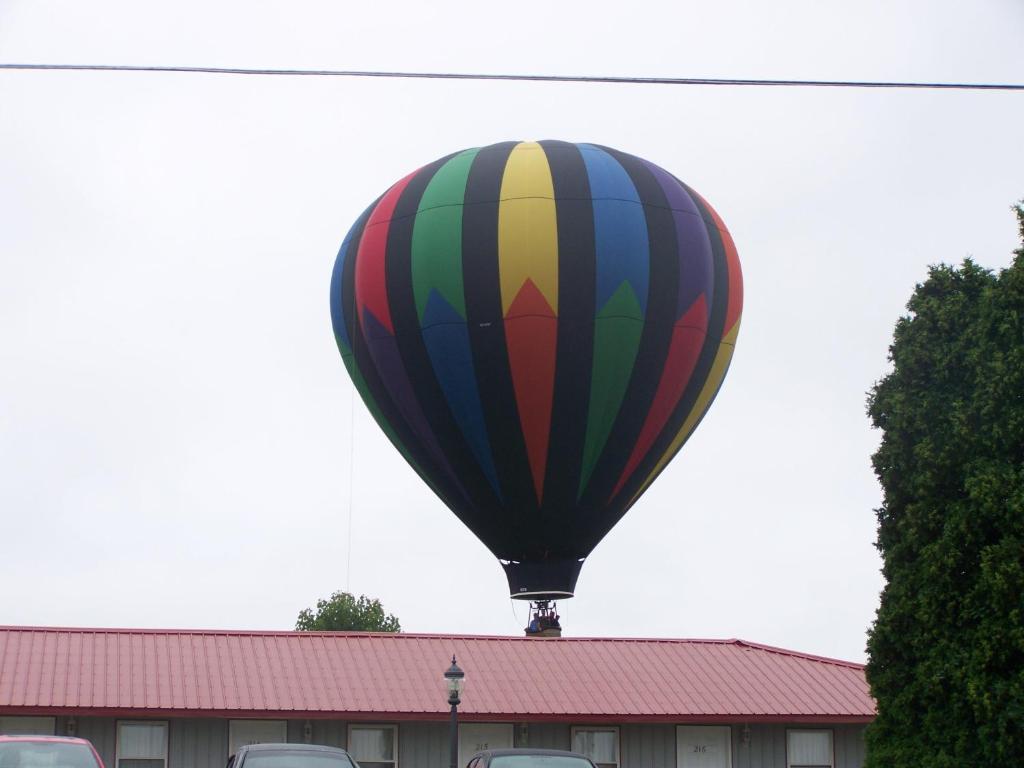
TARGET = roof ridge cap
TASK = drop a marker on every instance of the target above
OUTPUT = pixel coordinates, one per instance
(799, 654)
(352, 633)
(409, 636)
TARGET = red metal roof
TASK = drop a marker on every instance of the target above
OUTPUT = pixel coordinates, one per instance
(298, 674)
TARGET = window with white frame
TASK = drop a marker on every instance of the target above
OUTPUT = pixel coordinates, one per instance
(374, 746)
(242, 732)
(809, 749)
(28, 726)
(599, 744)
(141, 744)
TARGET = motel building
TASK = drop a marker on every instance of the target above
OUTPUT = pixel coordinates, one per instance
(189, 699)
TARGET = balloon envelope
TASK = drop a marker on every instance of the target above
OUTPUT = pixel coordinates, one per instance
(538, 327)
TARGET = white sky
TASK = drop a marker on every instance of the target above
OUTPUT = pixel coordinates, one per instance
(175, 429)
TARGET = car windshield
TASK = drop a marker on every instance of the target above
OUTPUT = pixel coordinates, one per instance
(539, 761)
(295, 759)
(45, 754)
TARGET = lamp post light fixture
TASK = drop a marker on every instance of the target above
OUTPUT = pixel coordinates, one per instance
(454, 677)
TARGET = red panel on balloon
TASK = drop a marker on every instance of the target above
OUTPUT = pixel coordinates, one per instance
(531, 333)
(371, 271)
(687, 340)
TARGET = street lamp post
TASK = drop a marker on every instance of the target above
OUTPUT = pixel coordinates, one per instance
(454, 677)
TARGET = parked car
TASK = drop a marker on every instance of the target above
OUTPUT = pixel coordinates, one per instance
(47, 752)
(526, 757)
(290, 756)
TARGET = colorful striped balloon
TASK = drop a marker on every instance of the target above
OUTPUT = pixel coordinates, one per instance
(538, 328)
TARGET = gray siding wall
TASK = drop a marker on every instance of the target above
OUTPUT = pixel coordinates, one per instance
(849, 746)
(544, 736)
(332, 733)
(199, 743)
(766, 748)
(203, 742)
(423, 745)
(647, 746)
(101, 731)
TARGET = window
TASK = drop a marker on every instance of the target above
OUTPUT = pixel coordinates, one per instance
(374, 746)
(599, 744)
(703, 746)
(242, 732)
(141, 744)
(809, 749)
(28, 726)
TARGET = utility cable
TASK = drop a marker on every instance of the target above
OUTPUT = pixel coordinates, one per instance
(759, 82)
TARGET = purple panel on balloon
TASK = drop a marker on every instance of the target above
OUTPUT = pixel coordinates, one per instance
(696, 271)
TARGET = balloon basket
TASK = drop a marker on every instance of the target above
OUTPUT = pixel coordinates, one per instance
(544, 620)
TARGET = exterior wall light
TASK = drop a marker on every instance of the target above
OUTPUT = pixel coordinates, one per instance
(453, 678)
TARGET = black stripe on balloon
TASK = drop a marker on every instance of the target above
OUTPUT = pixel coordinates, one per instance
(428, 470)
(486, 323)
(480, 510)
(655, 339)
(575, 343)
(716, 325)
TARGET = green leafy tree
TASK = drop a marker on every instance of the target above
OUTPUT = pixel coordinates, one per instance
(946, 652)
(343, 612)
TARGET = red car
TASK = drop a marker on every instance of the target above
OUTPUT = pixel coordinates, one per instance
(47, 752)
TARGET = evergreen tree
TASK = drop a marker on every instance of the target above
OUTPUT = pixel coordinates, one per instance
(946, 652)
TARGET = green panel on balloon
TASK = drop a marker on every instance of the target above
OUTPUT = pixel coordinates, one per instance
(616, 340)
(437, 236)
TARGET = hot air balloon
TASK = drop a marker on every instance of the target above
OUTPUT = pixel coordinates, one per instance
(538, 327)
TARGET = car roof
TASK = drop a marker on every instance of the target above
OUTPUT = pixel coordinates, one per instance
(291, 748)
(42, 737)
(529, 751)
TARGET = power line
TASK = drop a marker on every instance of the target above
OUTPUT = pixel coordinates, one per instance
(523, 78)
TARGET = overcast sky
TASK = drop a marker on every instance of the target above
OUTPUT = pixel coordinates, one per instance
(179, 442)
